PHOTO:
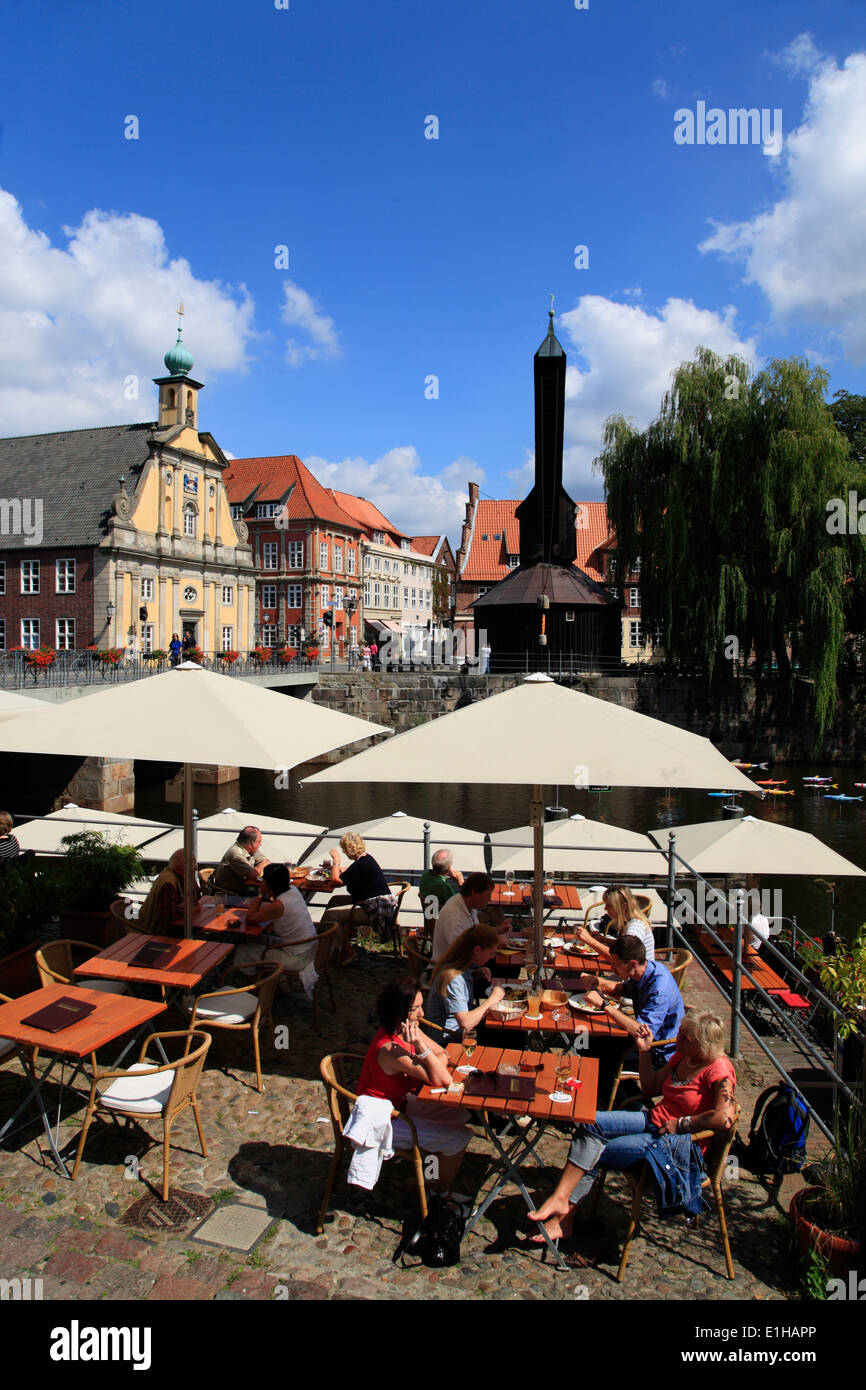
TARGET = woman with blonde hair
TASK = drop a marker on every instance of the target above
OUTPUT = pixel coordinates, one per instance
(452, 988)
(697, 1093)
(627, 917)
(370, 900)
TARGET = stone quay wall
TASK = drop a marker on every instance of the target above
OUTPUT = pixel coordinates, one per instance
(402, 700)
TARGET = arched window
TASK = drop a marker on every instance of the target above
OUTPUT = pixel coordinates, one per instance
(189, 520)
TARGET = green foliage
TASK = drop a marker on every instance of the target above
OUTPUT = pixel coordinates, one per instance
(849, 416)
(843, 977)
(814, 1275)
(30, 897)
(724, 497)
(96, 870)
(841, 1179)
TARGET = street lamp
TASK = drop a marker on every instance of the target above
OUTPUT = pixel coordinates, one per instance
(110, 611)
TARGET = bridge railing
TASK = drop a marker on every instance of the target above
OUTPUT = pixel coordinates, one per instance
(21, 670)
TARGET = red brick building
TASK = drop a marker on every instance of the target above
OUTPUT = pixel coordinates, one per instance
(306, 551)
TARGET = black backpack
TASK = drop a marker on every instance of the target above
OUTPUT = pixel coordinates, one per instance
(778, 1132)
(436, 1241)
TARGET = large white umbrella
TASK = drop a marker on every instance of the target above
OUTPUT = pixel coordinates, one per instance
(282, 840)
(540, 733)
(44, 834)
(188, 715)
(11, 705)
(381, 836)
(579, 845)
(745, 845)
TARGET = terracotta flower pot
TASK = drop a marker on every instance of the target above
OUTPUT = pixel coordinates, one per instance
(840, 1253)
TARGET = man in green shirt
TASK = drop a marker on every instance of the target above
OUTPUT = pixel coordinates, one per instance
(438, 883)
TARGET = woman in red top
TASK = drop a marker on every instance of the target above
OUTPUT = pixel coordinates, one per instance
(697, 1089)
(399, 1061)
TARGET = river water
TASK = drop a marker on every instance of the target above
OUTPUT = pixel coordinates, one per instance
(841, 825)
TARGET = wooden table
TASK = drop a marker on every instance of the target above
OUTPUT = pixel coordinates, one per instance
(763, 973)
(114, 1016)
(191, 962)
(541, 1111)
(570, 1027)
(521, 899)
(206, 917)
(569, 962)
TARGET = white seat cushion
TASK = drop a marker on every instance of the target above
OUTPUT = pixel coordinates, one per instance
(106, 986)
(143, 1095)
(6, 1047)
(229, 1008)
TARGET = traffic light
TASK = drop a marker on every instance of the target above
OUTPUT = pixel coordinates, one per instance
(328, 618)
(142, 614)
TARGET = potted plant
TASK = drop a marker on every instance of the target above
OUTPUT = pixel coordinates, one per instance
(287, 655)
(156, 657)
(830, 1215)
(228, 658)
(94, 872)
(38, 660)
(110, 657)
(261, 654)
(312, 653)
(843, 978)
(31, 896)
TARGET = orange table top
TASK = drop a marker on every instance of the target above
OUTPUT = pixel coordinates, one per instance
(114, 1015)
(580, 1108)
(521, 896)
(233, 919)
(564, 961)
(597, 1025)
(764, 973)
(192, 960)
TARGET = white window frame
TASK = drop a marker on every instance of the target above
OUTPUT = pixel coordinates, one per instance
(367, 592)
(323, 555)
(377, 594)
(635, 633)
(269, 596)
(66, 569)
(295, 596)
(227, 638)
(338, 556)
(264, 510)
(190, 522)
(325, 597)
(29, 578)
(148, 640)
(30, 640)
(350, 559)
(296, 555)
(634, 597)
(147, 590)
(338, 596)
(270, 635)
(67, 644)
(270, 555)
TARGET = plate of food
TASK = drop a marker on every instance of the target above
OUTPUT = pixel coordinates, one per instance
(579, 1005)
(557, 942)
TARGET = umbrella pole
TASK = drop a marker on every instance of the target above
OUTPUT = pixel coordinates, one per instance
(188, 852)
(536, 820)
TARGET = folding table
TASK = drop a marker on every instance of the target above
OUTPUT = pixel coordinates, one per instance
(191, 961)
(113, 1017)
(580, 1108)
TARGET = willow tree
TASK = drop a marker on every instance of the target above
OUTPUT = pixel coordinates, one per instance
(725, 499)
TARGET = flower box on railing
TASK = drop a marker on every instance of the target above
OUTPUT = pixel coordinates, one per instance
(36, 659)
(228, 658)
(155, 657)
(287, 655)
(261, 654)
(312, 653)
(110, 656)
(194, 654)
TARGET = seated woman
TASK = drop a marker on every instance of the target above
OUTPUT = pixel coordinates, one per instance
(452, 988)
(399, 1061)
(9, 846)
(697, 1091)
(370, 898)
(288, 920)
(627, 919)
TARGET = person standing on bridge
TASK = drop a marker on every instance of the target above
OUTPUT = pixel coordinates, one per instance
(174, 647)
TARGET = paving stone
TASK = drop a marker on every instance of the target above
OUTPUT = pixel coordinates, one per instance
(175, 1288)
(120, 1281)
(120, 1246)
(73, 1267)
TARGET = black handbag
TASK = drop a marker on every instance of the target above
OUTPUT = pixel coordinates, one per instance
(436, 1241)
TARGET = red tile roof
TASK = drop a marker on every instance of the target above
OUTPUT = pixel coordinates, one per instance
(425, 545)
(487, 559)
(271, 478)
(369, 516)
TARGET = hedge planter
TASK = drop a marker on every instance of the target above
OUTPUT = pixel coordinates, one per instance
(80, 925)
(840, 1252)
(18, 972)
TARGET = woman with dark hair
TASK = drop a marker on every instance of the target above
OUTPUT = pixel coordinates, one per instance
(399, 1061)
(287, 916)
(9, 846)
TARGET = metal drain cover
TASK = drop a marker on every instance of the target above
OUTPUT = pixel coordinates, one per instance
(235, 1226)
(181, 1209)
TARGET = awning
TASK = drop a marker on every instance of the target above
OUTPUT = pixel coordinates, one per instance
(384, 625)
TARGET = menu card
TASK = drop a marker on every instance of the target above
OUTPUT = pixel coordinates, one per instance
(61, 1014)
(154, 954)
(490, 1083)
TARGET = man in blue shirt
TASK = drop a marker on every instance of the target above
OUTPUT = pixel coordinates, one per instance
(652, 989)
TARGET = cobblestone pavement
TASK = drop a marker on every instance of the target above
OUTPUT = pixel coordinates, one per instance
(273, 1151)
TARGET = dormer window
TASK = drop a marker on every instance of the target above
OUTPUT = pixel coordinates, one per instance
(379, 537)
(405, 545)
(237, 511)
(485, 538)
(513, 561)
(497, 535)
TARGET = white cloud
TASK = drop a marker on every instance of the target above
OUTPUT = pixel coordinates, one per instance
(417, 503)
(806, 251)
(630, 354)
(77, 322)
(802, 56)
(301, 311)
(661, 88)
(633, 292)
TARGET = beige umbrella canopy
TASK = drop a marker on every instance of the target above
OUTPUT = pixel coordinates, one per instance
(540, 733)
(44, 835)
(11, 705)
(746, 845)
(579, 845)
(187, 715)
(380, 836)
(282, 840)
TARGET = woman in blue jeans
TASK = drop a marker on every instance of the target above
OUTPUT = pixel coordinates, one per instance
(697, 1090)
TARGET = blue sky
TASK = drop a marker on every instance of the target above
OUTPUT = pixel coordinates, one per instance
(412, 257)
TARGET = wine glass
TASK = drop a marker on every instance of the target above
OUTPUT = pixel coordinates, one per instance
(548, 883)
(470, 1040)
(509, 884)
(562, 1072)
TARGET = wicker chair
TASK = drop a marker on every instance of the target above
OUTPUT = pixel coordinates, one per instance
(399, 891)
(340, 1102)
(715, 1163)
(326, 943)
(146, 1089)
(677, 962)
(124, 916)
(56, 966)
(243, 1008)
(622, 1075)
